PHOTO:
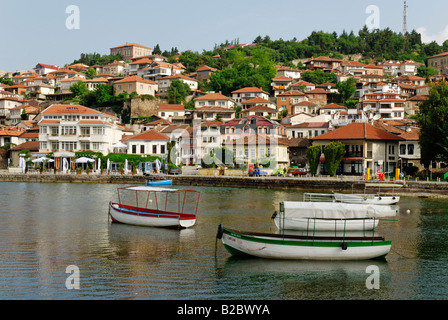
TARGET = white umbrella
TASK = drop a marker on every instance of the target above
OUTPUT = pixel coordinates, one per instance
(158, 165)
(64, 165)
(22, 164)
(126, 166)
(38, 160)
(99, 164)
(119, 145)
(108, 164)
(84, 160)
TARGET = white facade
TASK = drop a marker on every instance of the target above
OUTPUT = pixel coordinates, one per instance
(77, 128)
(243, 94)
(165, 83)
(150, 142)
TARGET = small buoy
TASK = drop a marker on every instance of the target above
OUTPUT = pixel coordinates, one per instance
(274, 215)
(408, 211)
(344, 246)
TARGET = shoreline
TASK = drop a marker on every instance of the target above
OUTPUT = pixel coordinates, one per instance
(339, 184)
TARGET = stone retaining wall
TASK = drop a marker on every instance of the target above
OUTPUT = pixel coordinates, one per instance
(416, 188)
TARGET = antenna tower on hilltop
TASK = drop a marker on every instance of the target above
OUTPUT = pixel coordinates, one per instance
(405, 24)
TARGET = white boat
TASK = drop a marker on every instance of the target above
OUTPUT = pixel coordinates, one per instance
(312, 247)
(155, 207)
(331, 216)
(357, 198)
(352, 198)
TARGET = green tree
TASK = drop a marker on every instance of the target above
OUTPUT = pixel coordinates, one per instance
(318, 77)
(346, 88)
(334, 151)
(313, 155)
(91, 73)
(427, 72)
(178, 91)
(433, 121)
(157, 50)
(79, 89)
(7, 81)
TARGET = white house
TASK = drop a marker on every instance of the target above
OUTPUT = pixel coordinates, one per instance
(150, 142)
(208, 106)
(70, 128)
(43, 69)
(171, 112)
(6, 104)
(165, 82)
(247, 93)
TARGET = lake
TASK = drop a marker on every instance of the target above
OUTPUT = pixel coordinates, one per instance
(47, 227)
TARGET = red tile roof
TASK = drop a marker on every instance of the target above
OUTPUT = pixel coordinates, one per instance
(67, 108)
(358, 131)
(135, 79)
(150, 135)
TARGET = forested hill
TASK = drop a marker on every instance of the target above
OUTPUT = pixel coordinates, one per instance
(374, 46)
(255, 66)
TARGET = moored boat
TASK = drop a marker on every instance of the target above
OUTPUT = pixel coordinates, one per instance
(330, 216)
(307, 247)
(366, 198)
(167, 182)
(155, 207)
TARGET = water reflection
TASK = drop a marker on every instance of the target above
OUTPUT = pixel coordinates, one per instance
(46, 227)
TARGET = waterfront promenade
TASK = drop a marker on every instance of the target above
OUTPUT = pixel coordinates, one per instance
(336, 184)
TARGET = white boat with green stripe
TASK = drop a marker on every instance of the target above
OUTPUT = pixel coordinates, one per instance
(303, 247)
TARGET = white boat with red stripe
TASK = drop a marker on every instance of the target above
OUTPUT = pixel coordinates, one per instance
(155, 207)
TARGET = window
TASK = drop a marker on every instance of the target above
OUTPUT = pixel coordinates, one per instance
(410, 149)
(154, 149)
(43, 145)
(85, 145)
(142, 149)
(391, 149)
(68, 130)
(134, 149)
(403, 149)
(96, 145)
(162, 149)
(85, 131)
(98, 130)
(68, 145)
(43, 130)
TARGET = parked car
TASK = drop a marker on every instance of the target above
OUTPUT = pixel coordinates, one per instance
(297, 171)
(257, 172)
(175, 170)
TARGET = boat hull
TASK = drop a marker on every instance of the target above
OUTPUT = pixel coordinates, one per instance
(366, 199)
(149, 218)
(325, 224)
(291, 248)
(159, 183)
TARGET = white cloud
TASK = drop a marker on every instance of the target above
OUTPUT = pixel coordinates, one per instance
(438, 37)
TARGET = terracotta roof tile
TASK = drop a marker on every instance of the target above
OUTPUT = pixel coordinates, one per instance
(358, 131)
(150, 135)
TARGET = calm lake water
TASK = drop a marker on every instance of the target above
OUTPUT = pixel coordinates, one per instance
(46, 227)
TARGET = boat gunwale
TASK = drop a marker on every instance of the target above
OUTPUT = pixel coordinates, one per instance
(288, 238)
(151, 212)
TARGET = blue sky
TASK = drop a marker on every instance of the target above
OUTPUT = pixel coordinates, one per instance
(35, 31)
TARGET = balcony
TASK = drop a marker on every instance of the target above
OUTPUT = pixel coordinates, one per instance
(84, 137)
